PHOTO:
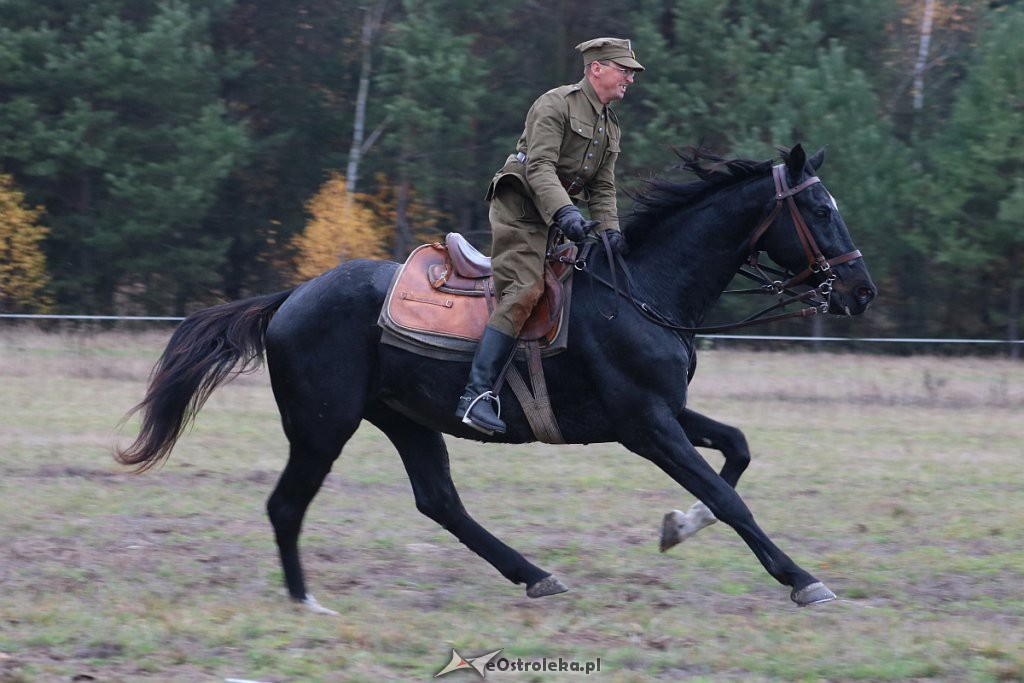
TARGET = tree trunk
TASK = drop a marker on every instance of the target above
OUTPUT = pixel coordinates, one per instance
(403, 231)
(371, 24)
(922, 54)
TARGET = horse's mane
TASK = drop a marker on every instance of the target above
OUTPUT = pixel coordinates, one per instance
(659, 197)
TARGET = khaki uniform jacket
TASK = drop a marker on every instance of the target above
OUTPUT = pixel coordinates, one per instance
(569, 134)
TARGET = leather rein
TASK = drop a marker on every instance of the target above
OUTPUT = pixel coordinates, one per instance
(816, 263)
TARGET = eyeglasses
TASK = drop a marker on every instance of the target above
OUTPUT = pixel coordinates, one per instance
(628, 73)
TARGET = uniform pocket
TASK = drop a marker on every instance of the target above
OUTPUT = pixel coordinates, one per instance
(576, 147)
(582, 128)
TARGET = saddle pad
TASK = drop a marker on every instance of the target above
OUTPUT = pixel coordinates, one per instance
(442, 324)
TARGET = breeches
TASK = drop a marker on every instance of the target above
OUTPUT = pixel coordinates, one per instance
(519, 241)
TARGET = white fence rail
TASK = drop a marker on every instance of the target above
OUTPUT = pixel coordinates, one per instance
(736, 337)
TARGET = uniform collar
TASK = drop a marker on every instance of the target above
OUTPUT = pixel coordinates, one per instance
(591, 94)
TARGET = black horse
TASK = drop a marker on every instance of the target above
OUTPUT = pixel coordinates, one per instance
(622, 379)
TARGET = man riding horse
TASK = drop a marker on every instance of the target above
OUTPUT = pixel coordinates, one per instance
(566, 155)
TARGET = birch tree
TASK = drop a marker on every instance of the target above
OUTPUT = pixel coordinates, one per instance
(372, 19)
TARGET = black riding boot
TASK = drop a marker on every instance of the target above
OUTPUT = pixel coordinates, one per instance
(476, 403)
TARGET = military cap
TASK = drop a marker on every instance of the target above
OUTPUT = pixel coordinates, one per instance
(618, 50)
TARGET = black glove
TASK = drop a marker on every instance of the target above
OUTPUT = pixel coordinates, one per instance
(572, 224)
(616, 241)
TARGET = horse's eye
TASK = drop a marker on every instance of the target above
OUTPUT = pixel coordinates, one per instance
(822, 212)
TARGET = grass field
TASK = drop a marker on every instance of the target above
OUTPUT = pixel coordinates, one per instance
(897, 481)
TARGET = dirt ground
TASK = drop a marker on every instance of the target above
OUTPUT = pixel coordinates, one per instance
(897, 481)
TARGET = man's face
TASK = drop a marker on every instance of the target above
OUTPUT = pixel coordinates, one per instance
(611, 80)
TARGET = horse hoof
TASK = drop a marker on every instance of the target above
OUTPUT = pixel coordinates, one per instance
(676, 526)
(670, 526)
(316, 608)
(812, 595)
(549, 585)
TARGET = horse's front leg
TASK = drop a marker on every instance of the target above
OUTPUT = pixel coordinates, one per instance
(663, 442)
(677, 526)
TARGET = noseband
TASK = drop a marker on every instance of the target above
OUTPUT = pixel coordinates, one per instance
(816, 261)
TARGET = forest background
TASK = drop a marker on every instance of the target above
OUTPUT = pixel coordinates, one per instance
(156, 157)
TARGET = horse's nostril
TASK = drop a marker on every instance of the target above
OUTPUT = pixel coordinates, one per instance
(864, 294)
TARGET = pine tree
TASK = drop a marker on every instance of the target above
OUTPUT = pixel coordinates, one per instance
(714, 74)
(975, 198)
(297, 94)
(433, 82)
(113, 118)
(831, 104)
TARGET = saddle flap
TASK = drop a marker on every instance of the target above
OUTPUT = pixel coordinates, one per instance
(545, 314)
(416, 304)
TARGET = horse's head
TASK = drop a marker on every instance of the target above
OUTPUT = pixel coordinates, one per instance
(806, 234)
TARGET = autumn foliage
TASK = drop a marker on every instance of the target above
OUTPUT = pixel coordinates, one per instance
(341, 227)
(23, 276)
(346, 226)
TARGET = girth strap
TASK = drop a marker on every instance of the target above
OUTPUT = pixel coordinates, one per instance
(536, 403)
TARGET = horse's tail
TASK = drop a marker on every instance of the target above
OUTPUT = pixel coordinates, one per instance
(202, 353)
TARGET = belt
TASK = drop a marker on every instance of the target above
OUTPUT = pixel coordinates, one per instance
(571, 185)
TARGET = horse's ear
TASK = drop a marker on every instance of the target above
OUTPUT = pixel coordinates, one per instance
(795, 162)
(817, 158)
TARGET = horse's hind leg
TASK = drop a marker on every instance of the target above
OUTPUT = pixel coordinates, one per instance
(308, 466)
(318, 423)
(425, 457)
(677, 526)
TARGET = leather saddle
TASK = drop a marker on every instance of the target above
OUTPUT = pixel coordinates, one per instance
(447, 289)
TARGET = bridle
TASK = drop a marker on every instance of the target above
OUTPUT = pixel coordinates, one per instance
(816, 263)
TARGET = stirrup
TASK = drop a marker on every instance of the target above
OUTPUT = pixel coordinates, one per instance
(486, 396)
